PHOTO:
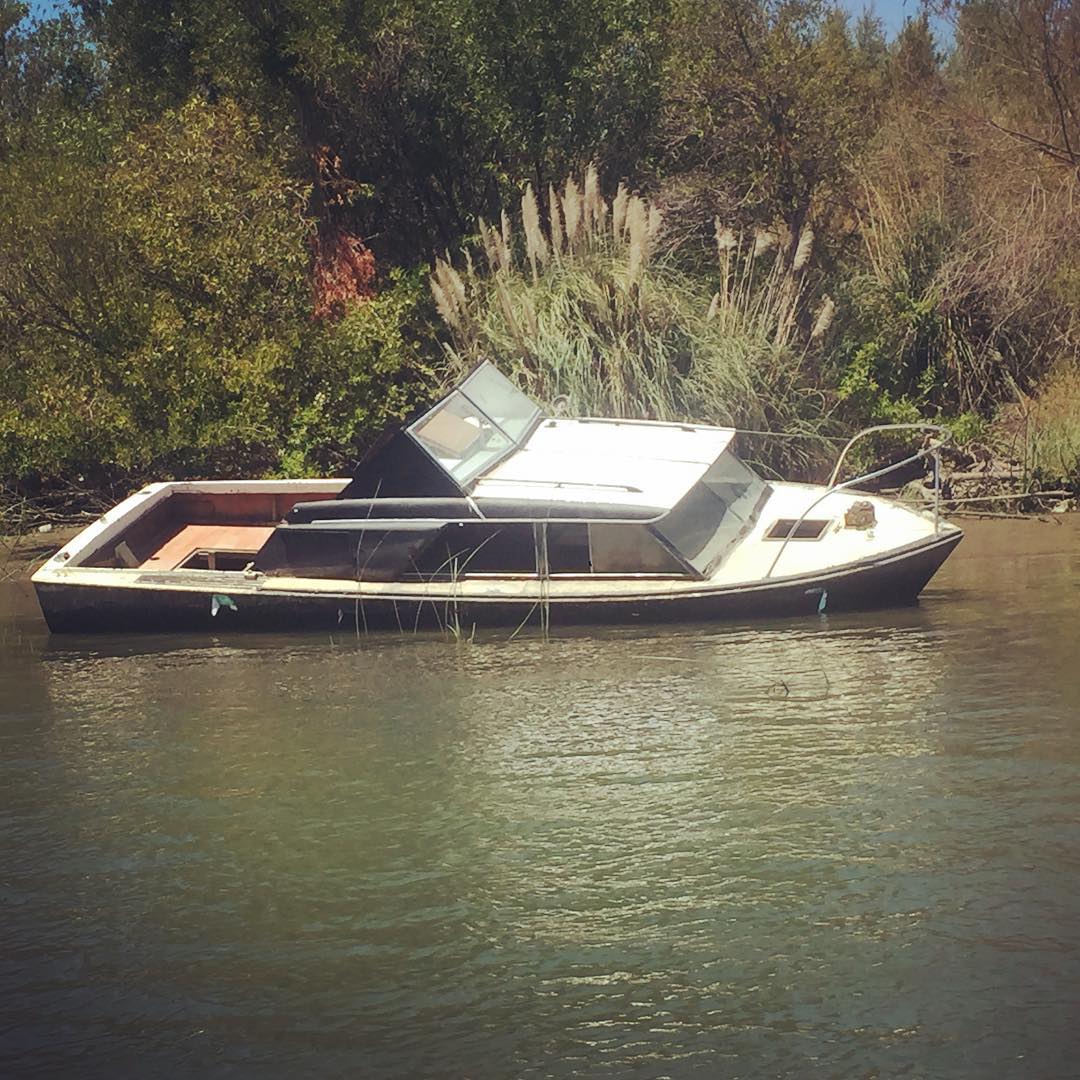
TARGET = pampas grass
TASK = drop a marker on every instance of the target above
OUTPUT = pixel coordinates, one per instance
(803, 250)
(615, 328)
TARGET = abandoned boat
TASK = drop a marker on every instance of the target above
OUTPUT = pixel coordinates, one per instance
(485, 511)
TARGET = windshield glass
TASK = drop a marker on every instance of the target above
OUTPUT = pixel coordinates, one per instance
(490, 390)
(713, 512)
(477, 424)
(461, 437)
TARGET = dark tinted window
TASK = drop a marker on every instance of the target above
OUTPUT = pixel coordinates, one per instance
(791, 528)
(482, 548)
(568, 549)
(629, 549)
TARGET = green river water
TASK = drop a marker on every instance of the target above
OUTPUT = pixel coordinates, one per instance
(836, 847)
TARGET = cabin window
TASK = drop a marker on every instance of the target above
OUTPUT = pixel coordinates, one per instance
(713, 513)
(568, 548)
(793, 529)
(619, 548)
(459, 550)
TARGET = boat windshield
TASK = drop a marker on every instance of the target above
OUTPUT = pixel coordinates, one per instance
(475, 426)
(712, 514)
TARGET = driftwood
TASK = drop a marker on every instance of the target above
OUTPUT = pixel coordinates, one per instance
(985, 474)
(1008, 517)
(1014, 495)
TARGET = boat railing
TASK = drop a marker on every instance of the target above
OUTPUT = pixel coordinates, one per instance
(931, 449)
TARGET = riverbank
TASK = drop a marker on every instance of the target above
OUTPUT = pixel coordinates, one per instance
(22, 554)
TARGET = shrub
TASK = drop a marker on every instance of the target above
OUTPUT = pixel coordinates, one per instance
(1055, 426)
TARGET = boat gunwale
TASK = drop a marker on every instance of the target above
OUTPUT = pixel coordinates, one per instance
(283, 586)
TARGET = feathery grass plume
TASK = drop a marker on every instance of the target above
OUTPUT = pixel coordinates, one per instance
(451, 284)
(764, 241)
(656, 221)
(592, 199)
(572, 213)
(618, 212)
(725, 239)
(491, 248)
(457, 287)
(535, 243)
(714, 307)
(556, 220)
(599, 232)
(725, 245)
(529, 311)
(638, 228)
(804, 249)
(501, 240)
(507, 306)
(444, 304)
(824, 319)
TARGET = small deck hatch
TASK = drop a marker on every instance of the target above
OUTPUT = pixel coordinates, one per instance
(792, 529)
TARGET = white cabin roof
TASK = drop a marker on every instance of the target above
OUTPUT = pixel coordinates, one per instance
(621, 462)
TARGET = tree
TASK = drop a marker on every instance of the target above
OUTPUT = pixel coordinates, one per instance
(1023, 57)
(433, 109)
(769, 103)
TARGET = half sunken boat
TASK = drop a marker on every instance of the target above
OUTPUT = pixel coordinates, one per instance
(485, 511)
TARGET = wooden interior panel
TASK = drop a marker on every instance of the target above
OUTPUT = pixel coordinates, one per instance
(145, 538)
(188, 539)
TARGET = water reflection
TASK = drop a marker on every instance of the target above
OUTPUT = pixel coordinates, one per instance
(844, 847)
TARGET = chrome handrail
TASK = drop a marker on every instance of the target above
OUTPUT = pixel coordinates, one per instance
(933, 450)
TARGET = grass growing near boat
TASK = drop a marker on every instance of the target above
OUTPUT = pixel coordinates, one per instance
(1055, 425)
(592, 315)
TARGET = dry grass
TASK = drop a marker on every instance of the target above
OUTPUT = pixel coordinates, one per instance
(1055, 426)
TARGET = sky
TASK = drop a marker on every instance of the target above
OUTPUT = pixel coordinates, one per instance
(892, 13)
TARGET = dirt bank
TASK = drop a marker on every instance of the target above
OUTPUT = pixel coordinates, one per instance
(21, 555)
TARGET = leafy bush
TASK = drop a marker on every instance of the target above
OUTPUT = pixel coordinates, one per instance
(156, 299)
(360, 375)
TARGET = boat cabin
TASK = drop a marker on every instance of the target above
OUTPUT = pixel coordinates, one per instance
(485, 484)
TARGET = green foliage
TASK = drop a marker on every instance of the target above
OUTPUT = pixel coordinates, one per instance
(362, 374)
(1055, 427)
(156, 304)
(438, 106)
(896, 343)
(182, 184)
